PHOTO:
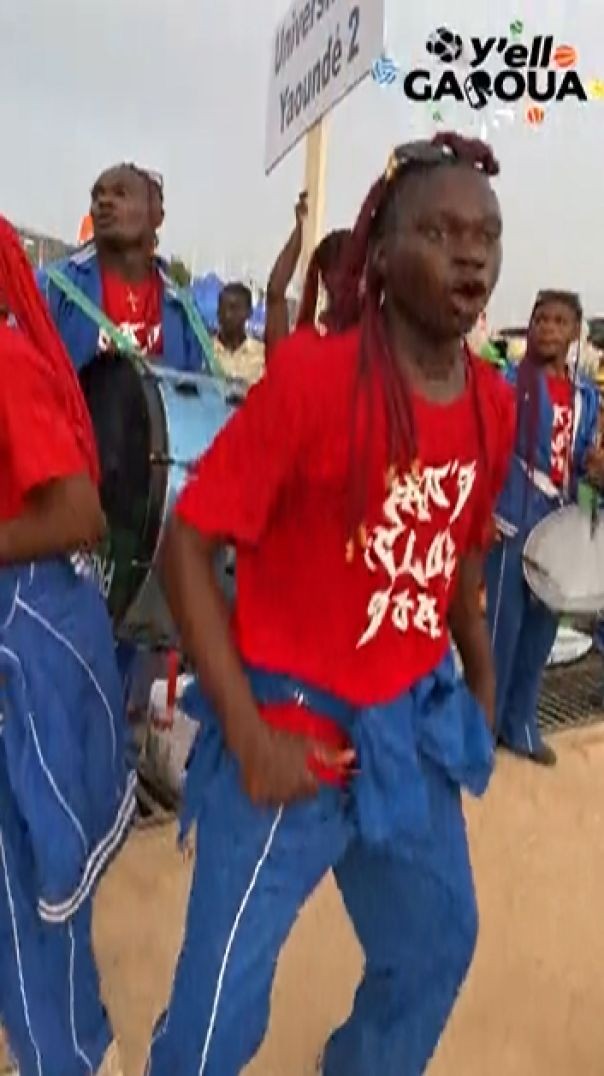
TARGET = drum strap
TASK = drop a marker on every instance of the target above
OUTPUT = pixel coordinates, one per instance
(201, 333)
(119, 339)
(71, 290)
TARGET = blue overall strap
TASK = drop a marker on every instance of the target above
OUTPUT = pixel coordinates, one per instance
(199, 330)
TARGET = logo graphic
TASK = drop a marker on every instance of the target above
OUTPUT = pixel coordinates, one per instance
(504, 70)
(535, 115)
(445, 45)
(477, 89)
(565, 56)
(595, 89)
(385, 71)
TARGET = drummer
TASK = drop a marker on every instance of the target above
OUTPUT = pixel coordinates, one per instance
(116, 286)
(556, 432)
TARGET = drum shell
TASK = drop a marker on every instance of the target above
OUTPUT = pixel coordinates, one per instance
(152, 424)
(194, 410)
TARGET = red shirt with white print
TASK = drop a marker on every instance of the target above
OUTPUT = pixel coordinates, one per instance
(276, 483)
(136, 310)
(560, 393)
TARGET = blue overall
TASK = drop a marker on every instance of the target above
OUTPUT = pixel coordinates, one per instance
(66, 802)
(522, 629)
(396, 841)
(80, 335)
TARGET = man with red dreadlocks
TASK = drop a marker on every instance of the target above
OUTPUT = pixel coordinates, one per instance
(66, 796)
(357, 483)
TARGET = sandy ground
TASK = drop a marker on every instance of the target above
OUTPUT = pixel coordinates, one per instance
(533, 1002)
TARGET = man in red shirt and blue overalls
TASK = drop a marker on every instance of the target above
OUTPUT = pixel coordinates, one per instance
(357, 483)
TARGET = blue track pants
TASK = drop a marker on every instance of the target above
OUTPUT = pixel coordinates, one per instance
(523, 632)
(413, 908)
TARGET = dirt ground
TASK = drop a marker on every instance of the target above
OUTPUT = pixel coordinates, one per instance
(533, 1002)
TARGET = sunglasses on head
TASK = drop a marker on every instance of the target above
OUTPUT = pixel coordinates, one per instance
(420, 152)
(155, 178)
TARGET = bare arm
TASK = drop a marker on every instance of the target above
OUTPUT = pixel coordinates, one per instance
(202, 615)
(274, 765)
(471, 636)
(277, 316)
(60, 517)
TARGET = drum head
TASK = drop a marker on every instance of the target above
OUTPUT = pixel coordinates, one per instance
(127, 420)
(563, 561)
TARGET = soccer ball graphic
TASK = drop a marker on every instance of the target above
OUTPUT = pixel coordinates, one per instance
(445, 45)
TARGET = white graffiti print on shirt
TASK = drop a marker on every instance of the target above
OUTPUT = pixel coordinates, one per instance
(561, 437)
(414, 504)
(141, 336)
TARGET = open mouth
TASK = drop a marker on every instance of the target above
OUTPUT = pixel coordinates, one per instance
(548, 343)
(470, 291)
(104, 220)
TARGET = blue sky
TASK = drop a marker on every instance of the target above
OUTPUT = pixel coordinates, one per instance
(180, 86)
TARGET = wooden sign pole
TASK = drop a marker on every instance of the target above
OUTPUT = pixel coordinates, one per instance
(314, 184)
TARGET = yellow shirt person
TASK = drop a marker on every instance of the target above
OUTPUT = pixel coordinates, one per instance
(245, 362)
(237, 354)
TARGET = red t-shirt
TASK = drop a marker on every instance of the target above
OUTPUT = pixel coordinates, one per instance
(560, 393)
(37, 443)
(136, 310)
(276, 483)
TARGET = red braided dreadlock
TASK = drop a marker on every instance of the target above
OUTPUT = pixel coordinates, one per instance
(529, 380)
(348, 309)
(322, 266)
(23, 299)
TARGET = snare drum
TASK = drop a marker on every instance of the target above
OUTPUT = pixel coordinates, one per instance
(151, 425)
(563, 561)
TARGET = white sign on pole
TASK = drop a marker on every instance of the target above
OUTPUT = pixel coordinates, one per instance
(321, 50)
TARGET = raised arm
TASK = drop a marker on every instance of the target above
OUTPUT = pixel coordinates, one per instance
(277, 316)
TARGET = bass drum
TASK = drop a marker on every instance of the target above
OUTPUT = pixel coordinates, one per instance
(151, 425)
(563, 561)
